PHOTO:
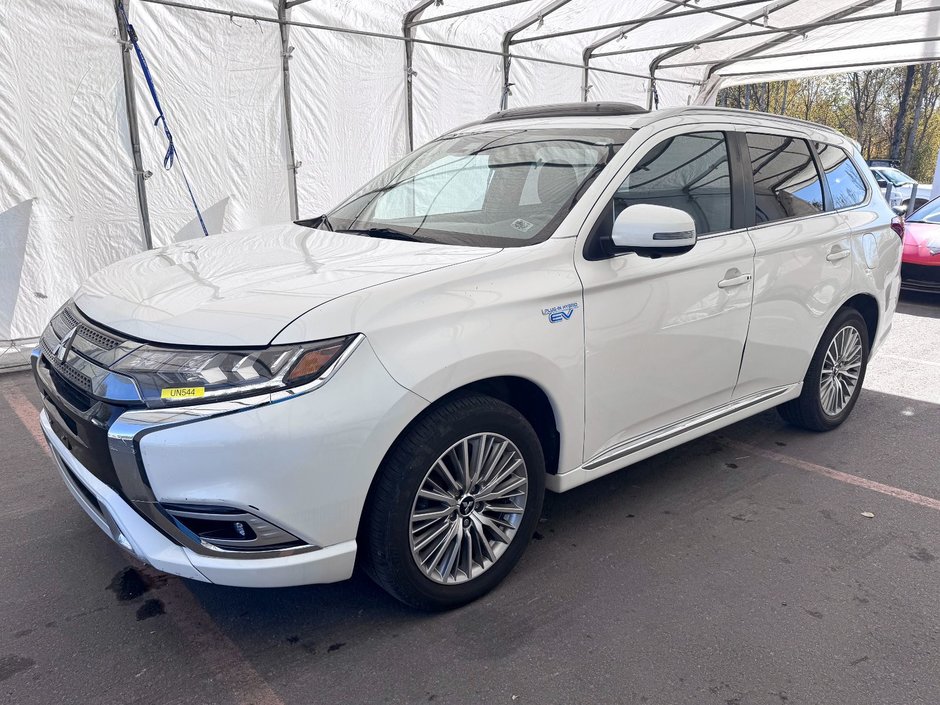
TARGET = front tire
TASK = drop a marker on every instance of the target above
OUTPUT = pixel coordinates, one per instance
(455, 503)
(835, 375)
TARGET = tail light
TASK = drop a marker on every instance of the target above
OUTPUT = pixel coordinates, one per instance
(897, 225)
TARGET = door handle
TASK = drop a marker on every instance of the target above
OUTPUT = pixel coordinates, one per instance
(835, 254)
(734, 281)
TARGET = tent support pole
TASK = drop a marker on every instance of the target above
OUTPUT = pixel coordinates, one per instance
(813, 52)
(621, 33)
(585, 74)
(847, 67)
(840, 14)
(130, 104)
(292, 163)
(468, 11)
(400, 38)
(718, 34)
(649, 18)
(407, 29)
(793, 30)
(508, 37)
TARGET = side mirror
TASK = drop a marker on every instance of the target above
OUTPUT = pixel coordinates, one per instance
(653, 231)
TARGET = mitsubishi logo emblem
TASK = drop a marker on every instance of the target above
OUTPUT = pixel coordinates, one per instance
(65, 345)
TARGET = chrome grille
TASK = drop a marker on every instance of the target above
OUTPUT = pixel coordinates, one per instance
(81, 355)
(66, 320)
(103, 341)
(80, 380)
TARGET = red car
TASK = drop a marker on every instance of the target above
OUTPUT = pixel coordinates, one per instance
(920, 263)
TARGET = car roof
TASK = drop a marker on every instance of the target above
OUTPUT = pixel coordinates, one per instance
(627, 115)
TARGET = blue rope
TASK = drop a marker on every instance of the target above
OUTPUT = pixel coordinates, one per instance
(170, 157)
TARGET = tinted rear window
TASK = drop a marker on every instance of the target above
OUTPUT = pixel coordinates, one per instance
(846, 185)
(786, 182)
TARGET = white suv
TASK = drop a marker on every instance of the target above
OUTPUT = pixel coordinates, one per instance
(529, 302)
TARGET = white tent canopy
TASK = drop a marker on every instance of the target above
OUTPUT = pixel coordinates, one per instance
(280, 108)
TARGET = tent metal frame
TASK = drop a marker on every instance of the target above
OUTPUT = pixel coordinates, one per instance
(133, 129)
(414, 17)
(821, 50)
(795, 30)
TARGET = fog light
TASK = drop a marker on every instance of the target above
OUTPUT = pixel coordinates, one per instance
(229, 528)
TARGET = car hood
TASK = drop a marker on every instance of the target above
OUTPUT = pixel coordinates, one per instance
(243, 288)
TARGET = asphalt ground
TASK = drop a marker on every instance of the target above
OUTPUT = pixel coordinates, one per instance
(737, 569)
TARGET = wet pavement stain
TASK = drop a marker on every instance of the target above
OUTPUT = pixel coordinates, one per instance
(128, 584)
(923, 555)
(151, 608)
(11, 665)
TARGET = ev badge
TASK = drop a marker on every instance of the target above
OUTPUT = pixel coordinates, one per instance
(557, 314)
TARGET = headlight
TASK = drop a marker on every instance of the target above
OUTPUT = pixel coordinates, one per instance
(173, 376)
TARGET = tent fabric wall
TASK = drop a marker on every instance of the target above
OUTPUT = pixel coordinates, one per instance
(68, 198)
(222, 97)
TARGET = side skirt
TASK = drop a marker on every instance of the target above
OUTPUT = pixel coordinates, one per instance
(648, 444)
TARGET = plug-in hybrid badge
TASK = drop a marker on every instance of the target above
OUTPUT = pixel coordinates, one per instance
(557, 314)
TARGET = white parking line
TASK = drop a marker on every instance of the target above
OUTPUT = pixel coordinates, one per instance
(845, 477)
(912, 360)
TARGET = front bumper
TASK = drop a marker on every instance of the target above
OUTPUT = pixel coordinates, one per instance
(130, 530)
(303, 461)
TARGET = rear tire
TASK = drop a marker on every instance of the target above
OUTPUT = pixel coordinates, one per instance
(459, 552)
(835, 375)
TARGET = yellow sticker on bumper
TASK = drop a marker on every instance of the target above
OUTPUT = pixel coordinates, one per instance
(183, 393)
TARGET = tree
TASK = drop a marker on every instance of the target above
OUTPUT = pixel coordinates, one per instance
(890, 112)
(895, 152)
(915, 121)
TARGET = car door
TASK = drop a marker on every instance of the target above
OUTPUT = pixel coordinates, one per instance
(802, 264)
(664, 336)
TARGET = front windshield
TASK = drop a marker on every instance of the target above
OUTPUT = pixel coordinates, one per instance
(894, 176)
(927, 213)
(491, 188)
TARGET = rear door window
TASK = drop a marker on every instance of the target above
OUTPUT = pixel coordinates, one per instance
(846, 185)
(786, 181)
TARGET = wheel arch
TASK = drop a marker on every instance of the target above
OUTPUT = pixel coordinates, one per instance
(524, 395)
(867, 306)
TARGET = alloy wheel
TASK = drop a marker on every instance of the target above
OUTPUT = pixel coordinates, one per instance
(841, 368)
(468, 508)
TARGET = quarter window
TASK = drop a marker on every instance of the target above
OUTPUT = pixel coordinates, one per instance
(786, 182)
(846, 185)
(688, 172)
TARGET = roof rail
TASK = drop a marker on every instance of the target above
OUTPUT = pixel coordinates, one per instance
(566, 110)
(761, 114)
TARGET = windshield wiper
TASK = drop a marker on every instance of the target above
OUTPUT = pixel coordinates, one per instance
(387, 233)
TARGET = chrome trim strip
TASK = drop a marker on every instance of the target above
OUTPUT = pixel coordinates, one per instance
(664, 433)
